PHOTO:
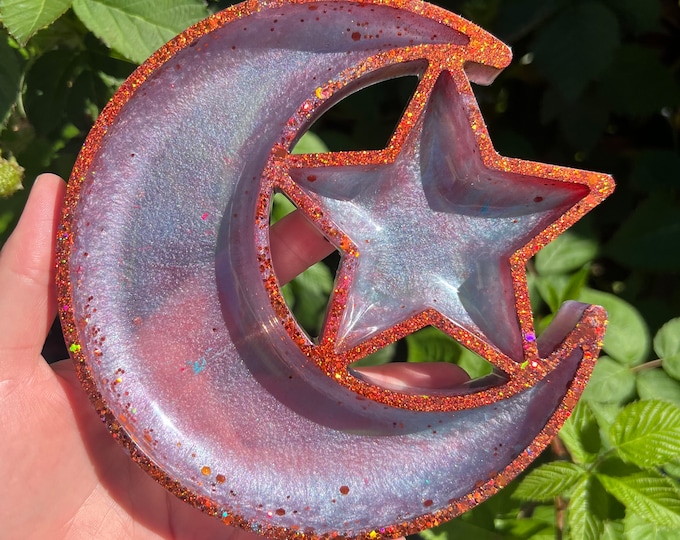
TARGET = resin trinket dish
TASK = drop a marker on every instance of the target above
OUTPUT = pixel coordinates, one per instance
(173, 312)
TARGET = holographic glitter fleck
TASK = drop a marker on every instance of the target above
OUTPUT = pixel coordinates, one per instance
(174, 316)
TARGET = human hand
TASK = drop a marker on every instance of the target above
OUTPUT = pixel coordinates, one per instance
(64, 476)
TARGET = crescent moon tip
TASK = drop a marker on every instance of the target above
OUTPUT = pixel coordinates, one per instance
(575, 324)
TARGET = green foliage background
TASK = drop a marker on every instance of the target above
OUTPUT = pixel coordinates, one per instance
(595, 84)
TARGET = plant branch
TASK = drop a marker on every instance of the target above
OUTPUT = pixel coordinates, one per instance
(647, 365)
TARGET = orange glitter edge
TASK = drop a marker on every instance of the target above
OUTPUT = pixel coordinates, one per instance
(595, 319)
(64, 247)
(453, 59)
(71, 332)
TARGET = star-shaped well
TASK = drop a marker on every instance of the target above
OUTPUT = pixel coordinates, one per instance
(436, 227)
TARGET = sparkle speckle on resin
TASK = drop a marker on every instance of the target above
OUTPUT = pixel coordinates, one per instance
(174, 315)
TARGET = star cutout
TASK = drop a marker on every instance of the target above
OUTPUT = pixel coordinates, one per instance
(435, 228)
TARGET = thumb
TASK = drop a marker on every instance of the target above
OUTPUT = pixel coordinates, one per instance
(27, 289)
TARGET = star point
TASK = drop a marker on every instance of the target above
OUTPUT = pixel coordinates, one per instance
(435, 228)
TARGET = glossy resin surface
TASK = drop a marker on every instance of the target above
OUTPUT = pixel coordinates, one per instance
(173, 312)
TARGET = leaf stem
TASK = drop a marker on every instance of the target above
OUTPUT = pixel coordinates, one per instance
(560, 511)
(559, 449)
(647, 365)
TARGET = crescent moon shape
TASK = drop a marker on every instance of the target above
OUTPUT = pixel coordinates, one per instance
(173, 315)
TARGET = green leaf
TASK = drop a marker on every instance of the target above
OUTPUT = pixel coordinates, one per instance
(310, 143)
(379, 357)
(528, 528)
(548, 481)
(136, 29)
(587, 505)
(613, 530)
(67, 32)
(638, 84)
(515, 19)
(613, 465)
(546, 533)
(311, 291)
(473, 364)
(86, 98)
(555, 289)
(627, 338)
(543, 323)
(458, 528)
(640, 16)
(672, 469)
(647, 433)
(23, 18)
(48, 88)
(577, 282)
(551, 288)
(432, 345)
(486, 515)
(606, 414)
(647, 494)
(545, 513)
(568, 252)
(655, 384)
(656, 169)
(10, 78)
(645, 238)
(281, 206)
(671, 365)
(581, 434)
(540, 526)
(667, 339)
(534, 294)
(6, 217)
(583, 121)
(11, 176)
(576, 46)
(610, 382)
(637, 528)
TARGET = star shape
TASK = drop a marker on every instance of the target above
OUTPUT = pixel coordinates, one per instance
(438, 226)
